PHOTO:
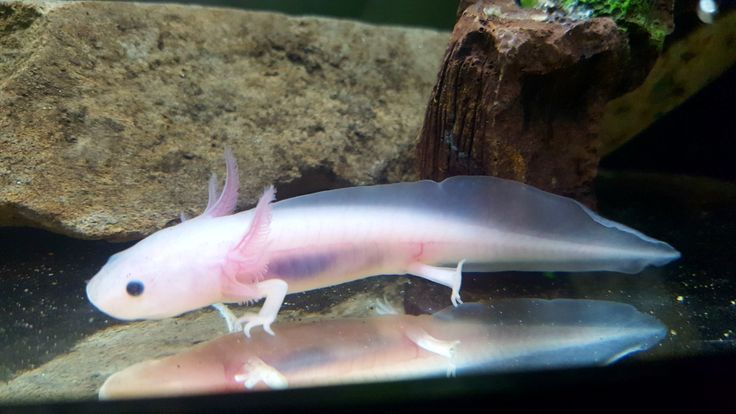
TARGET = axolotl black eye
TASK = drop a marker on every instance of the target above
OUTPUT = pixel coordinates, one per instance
(134, 288)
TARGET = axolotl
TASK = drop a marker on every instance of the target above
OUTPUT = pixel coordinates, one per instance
(429, 229)
(507, 335)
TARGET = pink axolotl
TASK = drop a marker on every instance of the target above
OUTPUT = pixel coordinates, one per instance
(508, 335)
(423, 228)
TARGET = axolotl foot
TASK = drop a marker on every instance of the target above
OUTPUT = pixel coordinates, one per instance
(252, 320)
(452, 278)
(457, 280)
(255, 370)
(274, 290)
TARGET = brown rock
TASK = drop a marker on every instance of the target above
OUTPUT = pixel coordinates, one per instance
(113, 115)
(520, 95)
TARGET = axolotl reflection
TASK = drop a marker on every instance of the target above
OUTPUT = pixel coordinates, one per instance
(423, 228)
(508, 335)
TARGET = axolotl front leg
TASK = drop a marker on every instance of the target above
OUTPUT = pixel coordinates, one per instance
(274, 290)
(243, 269)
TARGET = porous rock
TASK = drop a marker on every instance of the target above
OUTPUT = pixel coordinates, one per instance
(113, 115)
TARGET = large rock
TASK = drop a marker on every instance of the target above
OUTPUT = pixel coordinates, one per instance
(113, 115)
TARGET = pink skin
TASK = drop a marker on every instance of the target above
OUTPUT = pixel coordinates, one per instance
(426, 229)
(509, 335)
(188, 266)
(374, 348)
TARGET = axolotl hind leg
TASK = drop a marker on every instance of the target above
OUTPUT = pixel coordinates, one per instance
(244, 267)
(452, 278)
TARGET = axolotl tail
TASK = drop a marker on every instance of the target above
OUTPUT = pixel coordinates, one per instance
(495, 224)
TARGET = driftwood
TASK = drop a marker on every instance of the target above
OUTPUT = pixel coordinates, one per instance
(520, 94)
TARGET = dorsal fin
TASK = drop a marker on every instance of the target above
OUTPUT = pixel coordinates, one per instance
(225, 204)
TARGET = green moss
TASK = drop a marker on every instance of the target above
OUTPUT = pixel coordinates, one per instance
(527, 4)
(617, 9)
(641, 13)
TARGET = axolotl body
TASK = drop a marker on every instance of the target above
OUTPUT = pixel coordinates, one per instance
(507, 335)
(424, 228)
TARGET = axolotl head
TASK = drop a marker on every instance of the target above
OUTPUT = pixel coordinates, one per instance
(153, 279)
(176, 269)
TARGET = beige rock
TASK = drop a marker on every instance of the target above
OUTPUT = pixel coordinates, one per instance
(113, 115)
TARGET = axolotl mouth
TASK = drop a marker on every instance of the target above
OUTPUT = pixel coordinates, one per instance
(92, 289)
(95, 297)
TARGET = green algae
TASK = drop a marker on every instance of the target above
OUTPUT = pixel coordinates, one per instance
(647, 15)
(641, 13)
